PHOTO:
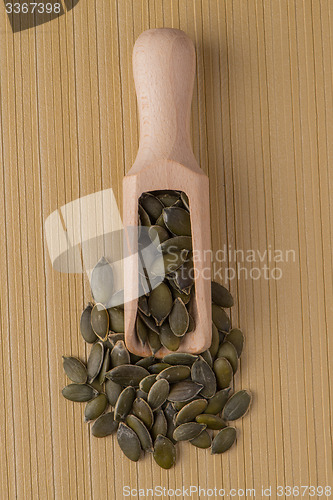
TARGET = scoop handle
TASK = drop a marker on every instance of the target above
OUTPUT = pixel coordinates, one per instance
(164, 68)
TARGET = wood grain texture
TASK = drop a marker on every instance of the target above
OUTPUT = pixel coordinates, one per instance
(262, 128)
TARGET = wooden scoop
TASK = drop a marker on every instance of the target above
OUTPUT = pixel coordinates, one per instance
(164, 68)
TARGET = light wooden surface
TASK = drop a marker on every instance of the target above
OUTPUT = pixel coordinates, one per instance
(262, 127)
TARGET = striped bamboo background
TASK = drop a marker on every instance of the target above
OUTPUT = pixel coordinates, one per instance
(262, 127)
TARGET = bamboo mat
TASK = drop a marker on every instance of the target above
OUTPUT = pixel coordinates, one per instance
(262, 128)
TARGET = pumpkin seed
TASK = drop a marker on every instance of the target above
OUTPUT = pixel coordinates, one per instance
(185, 200)
(177, 220)
(180, 358)
(190, 430)
(104, 425)
(96, 385)
(101, 282)
(160, 303)
(201, 373)
(143, 216)
(236, 337)
(113, 391)
(79, 392)
(147, 382)
(152, 205)
(220, 318)
(95, 360)
(184, 391)
(146, 362)
(237, 406)
(141, 330)
(95, 407)
(127, 374)
(168, 339)
(176, 244)
(213, 422)
(224, 440)
(191, 324)
(113, 339)
(119, 354)
(203, 440)
(142, 410)
(129, 442)
(206, 355)
(190, 411)
(85, 326)
(158, 368)
(158, 393)
(214, 347)
(217, 402)
(168, 199)
(170, 413)
(160, 425)
(143, 305)
(141, 431)
(184, 275)
(179, 318)
(154, 341)
(164, 452)
(228, 351)
(176, 293)
(75, 369)
(141, 394)
(116, 315)
(124, 403)
(148, 321)
(167, 263)
(223, 371)
(160, 222)
(158, 234)
(175, 373)
(105, 367)
(100, 321)
(221, 296)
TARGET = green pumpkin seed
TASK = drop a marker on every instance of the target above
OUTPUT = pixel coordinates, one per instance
(148, 321)
(160, 303)
(113, 391)
(96, 385)
(176, 293)
(168, 339)
(143, 217)
(236, 337)
(164, 452)
(116, 315)
(220, 318)
(217, 402)
(179, 318)
(222, 336)
(75, 369)
(152, 205)
(141, 394)
(79, 392)
(124, 403)
(185, 200)
(143, 305)
(184, 275)
(213, 422)
(191, 324)
(105, 367)
(95, 407)
(214, 347)
(158, 393)
(158, 368)
(142, 410)
(170, 413)
(146, 362)
(203, 440)
(206, 355)
(167, 263)
(184, 391)
(160, 425)
(129, 442)
(158, 235)
(221, 296)
(223, 440)
(85, 326)
(141, 431)
(177, 220)
(127, 374)
(228, 351)
(154, 341)
(175, 373)
(113, 339)
(168, 199)
(147, 382)
(237, 406)
(100, 321)
(223, 372)
(104, 425)
(180, 358)
(190, 411)
(160, 222)
(101, 282)
(190, 430)
(95, 360)
(201, 373)
(176, 244)
(119, 354)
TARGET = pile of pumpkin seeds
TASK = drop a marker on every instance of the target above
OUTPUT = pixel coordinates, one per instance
(152, 403)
